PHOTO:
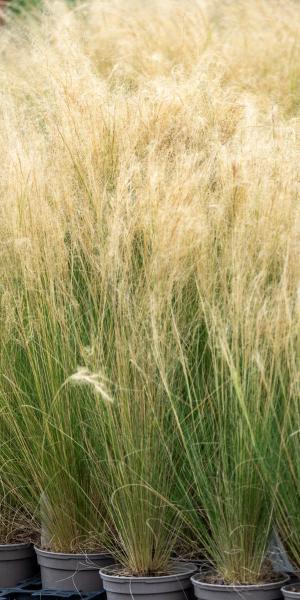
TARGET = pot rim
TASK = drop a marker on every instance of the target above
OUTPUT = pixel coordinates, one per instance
(15, 546)
(241, 587)
(63, 555)
(184, 570)
(285, 589)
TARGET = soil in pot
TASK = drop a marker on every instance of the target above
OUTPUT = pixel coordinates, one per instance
(17, 562)
(208, 587)
(72, 572)
(174, 585)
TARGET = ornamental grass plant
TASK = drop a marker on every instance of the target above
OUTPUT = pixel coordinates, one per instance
(149, 298)
(236, 341)
(46, 423)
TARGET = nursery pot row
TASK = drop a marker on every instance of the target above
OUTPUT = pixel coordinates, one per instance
(93, 572)
(183, 583)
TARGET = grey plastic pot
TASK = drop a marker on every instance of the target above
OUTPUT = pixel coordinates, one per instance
(264, 591)
(175, 586)
(17, 562)
(72, 572)
(291, 591)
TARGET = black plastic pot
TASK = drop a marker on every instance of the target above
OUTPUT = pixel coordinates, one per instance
(212, 591)
(291, 591)
(175, 586)
(17, 562)
(72, 572)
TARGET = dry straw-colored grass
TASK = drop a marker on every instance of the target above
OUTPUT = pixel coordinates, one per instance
(179, 120)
